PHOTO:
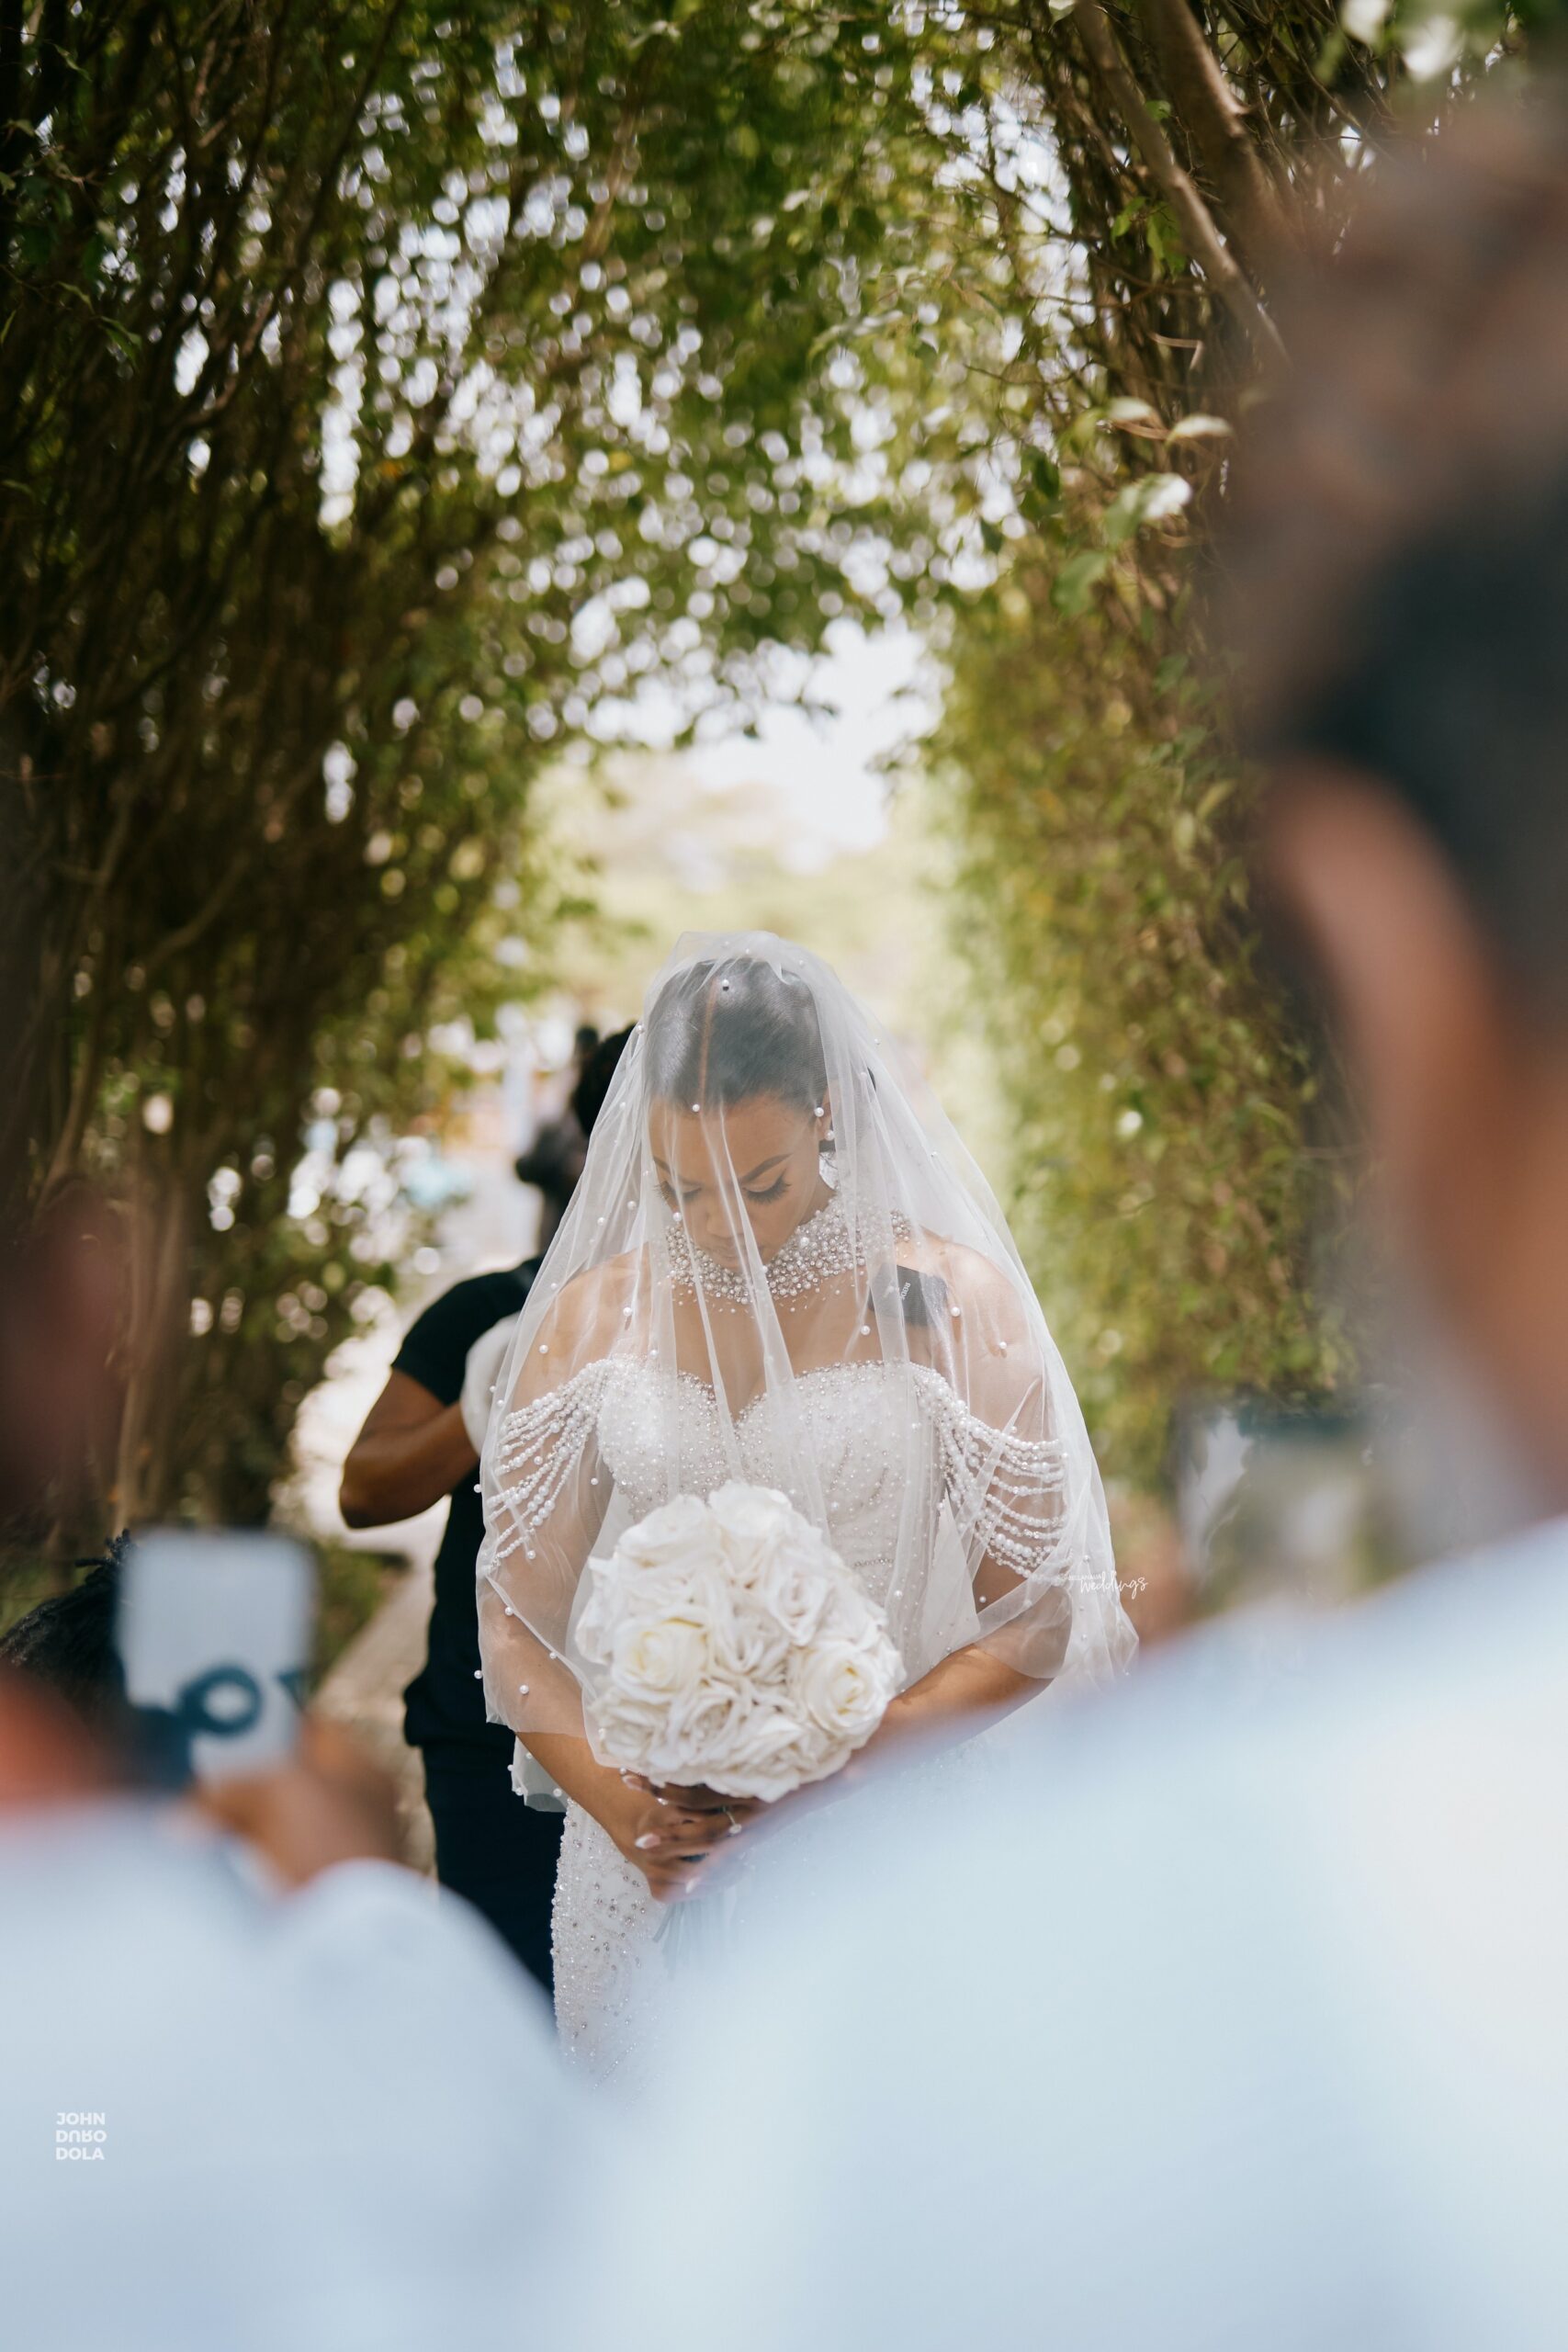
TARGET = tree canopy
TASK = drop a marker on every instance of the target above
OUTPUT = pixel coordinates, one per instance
(391, 389)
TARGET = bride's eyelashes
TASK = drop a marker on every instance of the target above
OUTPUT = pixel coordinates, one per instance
(774, 1192)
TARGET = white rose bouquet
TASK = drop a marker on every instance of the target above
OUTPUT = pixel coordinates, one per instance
(729, 1645)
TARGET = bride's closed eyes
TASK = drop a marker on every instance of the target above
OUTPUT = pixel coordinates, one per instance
(774, 1192)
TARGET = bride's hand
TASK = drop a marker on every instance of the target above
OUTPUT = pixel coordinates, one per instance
(692, 1796)
(671, 1834)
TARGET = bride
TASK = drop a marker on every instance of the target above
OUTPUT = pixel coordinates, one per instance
(778, 1266)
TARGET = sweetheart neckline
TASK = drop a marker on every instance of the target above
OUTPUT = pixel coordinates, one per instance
(814, 1371)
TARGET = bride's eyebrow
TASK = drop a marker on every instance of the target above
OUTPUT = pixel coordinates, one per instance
(760, 1170)
(666, 1176)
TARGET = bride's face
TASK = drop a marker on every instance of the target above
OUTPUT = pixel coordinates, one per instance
(756, 1160)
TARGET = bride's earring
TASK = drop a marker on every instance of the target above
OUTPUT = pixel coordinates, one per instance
(827, 1165)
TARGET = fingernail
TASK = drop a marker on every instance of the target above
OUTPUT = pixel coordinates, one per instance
(647, 1839)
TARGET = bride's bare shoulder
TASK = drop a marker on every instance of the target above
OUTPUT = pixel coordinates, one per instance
(588, 1312)
(968, 1281)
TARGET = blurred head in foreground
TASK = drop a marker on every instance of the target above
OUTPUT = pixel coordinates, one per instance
(1398, 572)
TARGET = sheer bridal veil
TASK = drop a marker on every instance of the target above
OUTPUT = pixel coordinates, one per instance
(780, 1265)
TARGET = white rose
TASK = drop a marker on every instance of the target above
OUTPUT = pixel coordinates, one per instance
(626, 1733)
(701, 1725)
(692, 1587)
(658, 1658)
(704, 1593)
(734, 1647)
(754, 1751)
(751, 1522)
(844, 1687)
(669, 1534)
(748, 1640)
(795, 1586)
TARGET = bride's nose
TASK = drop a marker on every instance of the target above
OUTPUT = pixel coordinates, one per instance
(713, 1223)
(716, 1235)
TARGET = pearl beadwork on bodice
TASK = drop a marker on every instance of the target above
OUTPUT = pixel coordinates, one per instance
(862, 1432)
(852, 1429)
(875, 1436)
(887, 1453)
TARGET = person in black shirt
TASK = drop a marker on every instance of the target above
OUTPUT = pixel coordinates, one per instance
(414, 1447)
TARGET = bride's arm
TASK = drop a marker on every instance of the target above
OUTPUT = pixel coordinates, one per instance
(541, 1529)
(962, 1694)
(969, 1689)
(988, 1396)
(664, 1841)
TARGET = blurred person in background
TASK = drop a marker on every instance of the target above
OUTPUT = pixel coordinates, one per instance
(331, 1803)
(421, 1441)
(262, 2088)
(61, 1274)
(1263, 2041)
(552, 1161)
(61, 1249)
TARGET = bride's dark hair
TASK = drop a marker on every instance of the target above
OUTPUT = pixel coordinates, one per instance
(724, 1032)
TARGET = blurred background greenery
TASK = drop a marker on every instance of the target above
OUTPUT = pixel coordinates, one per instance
(426, 428)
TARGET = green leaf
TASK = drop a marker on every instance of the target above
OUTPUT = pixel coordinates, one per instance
(1152, 498)
(1163, 240)
(1047, 477)
(1198, 427)
(1130, 411)
(1076, 581)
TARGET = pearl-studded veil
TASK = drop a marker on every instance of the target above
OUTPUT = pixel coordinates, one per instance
(781, 1265)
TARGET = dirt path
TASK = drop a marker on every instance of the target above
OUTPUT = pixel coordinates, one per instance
(365, 1692)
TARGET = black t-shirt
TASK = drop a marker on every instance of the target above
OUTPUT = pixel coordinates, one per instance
(445, 1702)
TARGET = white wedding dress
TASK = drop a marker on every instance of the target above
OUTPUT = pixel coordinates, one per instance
(769, 1209)
(608, 1964)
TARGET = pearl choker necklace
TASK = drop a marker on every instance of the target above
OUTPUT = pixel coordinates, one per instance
(819, 1249)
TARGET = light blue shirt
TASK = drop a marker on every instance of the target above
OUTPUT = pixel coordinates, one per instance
(328, 2119)
(1231, 2015)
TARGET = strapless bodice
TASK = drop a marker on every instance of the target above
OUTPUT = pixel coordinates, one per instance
(854, 1435)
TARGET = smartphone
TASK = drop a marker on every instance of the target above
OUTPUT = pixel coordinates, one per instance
(1284, 1503)
(214, 1629)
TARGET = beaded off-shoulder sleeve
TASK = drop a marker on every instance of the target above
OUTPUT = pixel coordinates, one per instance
(537, 1450)
(1005, 1490)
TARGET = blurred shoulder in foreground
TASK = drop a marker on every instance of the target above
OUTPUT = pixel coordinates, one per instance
(235, 2112)
(1228, 2015)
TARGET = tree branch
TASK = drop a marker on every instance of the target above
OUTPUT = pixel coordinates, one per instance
(1180, 192)
(1216, 124)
